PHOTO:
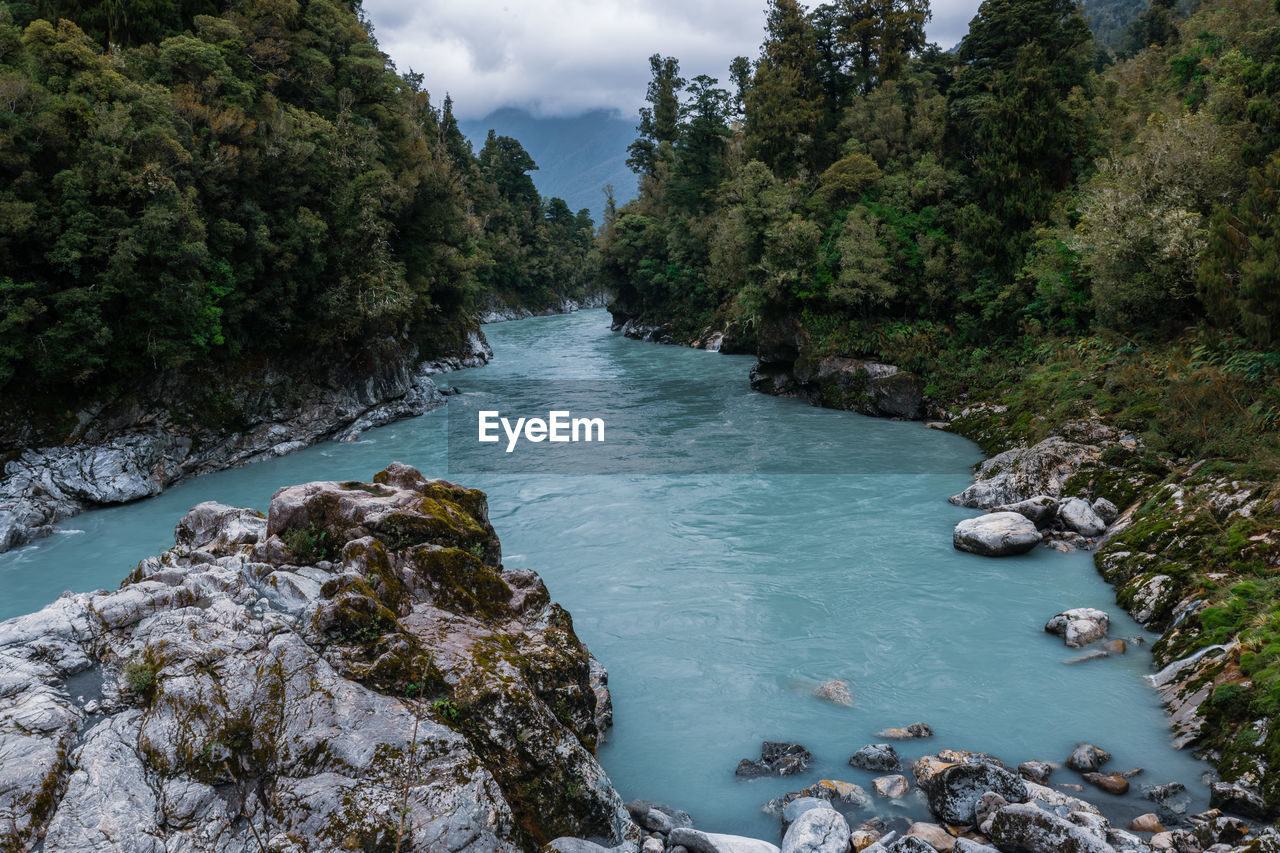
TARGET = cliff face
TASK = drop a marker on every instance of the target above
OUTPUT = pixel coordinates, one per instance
(353, 671)
(135, 445)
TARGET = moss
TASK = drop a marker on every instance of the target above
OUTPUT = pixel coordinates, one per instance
(460, 581)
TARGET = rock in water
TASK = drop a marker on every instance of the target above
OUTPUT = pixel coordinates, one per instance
(776, 759)
(954, 782)
(997, 534)
(821, 830)
(1080, 626)
(1146, 823)
(890, 787)
(1112, 784)
(876, 757)
(1035, 771)
(937, 837)
(836, 691)
(915, 730)
(1023, 473)
(1086, 758)
(357, 665)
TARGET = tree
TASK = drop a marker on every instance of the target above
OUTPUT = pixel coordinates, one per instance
(660, 121)
(786, 107)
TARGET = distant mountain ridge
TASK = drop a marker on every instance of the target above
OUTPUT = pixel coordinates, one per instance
(576, 155)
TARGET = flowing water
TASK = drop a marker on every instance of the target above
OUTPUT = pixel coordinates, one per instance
(756, 548)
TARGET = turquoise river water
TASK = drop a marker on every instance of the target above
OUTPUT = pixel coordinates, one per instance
(806, 545)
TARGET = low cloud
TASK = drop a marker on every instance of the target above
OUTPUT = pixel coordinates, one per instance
(561, 57)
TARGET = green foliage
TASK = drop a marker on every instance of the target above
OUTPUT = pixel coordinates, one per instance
(180, 187)
(310, 545)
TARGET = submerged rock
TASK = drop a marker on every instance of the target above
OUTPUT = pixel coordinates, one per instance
(997, 534)
(354, 668)
(836, 691)
(915, 730)
(776, 759)
(1080, 626)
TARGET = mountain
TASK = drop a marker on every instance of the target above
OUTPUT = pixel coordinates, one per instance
(576, 156)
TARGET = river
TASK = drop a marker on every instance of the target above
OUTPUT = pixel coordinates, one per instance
(754, 548)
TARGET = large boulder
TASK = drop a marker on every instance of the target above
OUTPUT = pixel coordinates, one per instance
(697, 841)
(1039, 510)
(997, 534)
(354, 669)
(869, 387)
(1076, 514)
(776, 759)
(954, 782)
(1025, 472)
(1080, 626)
(1026, 828)
(818, 830)
(1086, 758)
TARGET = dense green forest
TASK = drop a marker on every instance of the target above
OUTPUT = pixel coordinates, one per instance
(902, 201)
(185, 182)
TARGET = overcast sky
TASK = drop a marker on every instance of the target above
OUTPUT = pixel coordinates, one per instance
(561, 57)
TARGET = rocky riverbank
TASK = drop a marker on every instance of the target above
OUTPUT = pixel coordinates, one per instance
(353, 671)
(977, 803)
(179, 427)
(497, 310)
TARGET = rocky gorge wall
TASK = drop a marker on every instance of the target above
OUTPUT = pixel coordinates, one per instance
(353, 671)
(181, 426)
(498, 310)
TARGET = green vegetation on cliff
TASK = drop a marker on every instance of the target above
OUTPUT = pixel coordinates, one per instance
(184, 183)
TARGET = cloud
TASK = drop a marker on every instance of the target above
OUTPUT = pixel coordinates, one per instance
(561, 57)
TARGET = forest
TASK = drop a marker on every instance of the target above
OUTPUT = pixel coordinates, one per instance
(184, 183)
(960, 212)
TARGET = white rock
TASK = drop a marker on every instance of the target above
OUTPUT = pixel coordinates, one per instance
(997, 534)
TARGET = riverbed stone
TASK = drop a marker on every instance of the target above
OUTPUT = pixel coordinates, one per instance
(890, 787)
(817, 830)
(954, 781)
(935, 836)
(206, 685)
(1079, 626)
(1112, 783)
(1076, 514)
(1086, 758)
(876, 758)
(1242, 797)
(1148, 822)
(1035, 771)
